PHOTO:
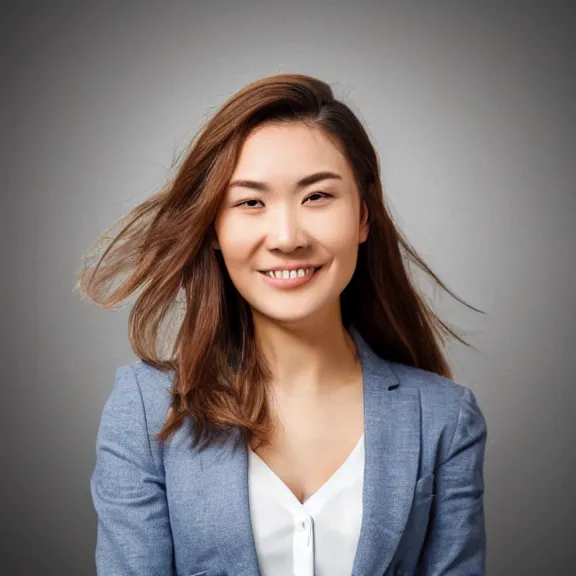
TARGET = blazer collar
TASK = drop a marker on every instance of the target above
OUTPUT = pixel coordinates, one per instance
(392, 445)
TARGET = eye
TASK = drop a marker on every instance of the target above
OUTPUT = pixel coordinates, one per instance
(319, 196)
(246, 202)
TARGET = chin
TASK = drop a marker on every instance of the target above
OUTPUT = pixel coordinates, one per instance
(297, 313)
(281, 317)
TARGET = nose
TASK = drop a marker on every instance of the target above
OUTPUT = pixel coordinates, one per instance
(285, 231)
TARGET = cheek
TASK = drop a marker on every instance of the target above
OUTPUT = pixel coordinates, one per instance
(341, 236)
(235, 241)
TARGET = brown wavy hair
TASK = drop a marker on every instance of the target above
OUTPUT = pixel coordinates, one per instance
(163, 253)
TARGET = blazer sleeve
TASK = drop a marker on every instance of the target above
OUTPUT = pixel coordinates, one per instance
(133, 535)
(456, 539)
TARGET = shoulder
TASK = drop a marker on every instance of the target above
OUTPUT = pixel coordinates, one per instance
(138, 404)
(432, 387)
(143, 381)
(441, 400)
(447, 407)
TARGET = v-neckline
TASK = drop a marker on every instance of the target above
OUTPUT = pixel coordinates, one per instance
(316, 496)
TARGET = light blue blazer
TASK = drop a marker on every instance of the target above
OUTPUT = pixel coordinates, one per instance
(172, 511)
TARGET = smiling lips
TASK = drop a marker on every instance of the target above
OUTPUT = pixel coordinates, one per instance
(290, 278)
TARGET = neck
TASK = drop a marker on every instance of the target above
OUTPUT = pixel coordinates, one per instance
(311, 358)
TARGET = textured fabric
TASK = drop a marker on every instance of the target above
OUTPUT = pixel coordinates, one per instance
(317, 537)
(176, 511)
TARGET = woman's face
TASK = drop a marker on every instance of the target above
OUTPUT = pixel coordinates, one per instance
(292, 209)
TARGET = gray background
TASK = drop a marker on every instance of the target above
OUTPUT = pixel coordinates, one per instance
(471, 108)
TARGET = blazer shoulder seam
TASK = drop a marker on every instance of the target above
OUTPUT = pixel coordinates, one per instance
(464, 390)
(130, 368)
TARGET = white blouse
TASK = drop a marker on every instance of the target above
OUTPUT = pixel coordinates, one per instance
(315, 538)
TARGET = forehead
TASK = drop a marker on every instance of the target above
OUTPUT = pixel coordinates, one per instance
(288, 152)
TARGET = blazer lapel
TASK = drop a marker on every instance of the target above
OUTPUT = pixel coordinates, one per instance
(225, 472)
(392, 444)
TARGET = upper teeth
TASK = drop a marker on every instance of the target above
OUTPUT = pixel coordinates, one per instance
(289, 273)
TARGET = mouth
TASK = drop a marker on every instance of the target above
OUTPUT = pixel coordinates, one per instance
(290, 274)
(287, 279)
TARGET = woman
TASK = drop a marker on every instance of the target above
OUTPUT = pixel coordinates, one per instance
(304, 421)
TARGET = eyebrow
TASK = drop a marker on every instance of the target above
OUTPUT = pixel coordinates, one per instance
(302, 183)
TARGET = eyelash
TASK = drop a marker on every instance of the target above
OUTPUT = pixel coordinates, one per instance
(322, 194)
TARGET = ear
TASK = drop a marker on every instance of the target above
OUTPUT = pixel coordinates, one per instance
(364, 223)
